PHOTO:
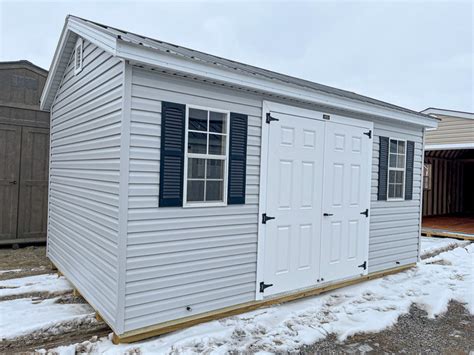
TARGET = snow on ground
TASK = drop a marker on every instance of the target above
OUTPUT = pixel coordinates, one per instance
(39, 283)
(22, 316)
(433, 245)
(367, 307)
(8, 271)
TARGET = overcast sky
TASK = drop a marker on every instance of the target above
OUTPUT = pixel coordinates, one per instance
(411, 53)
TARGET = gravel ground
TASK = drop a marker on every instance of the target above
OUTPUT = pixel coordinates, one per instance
(452, 332)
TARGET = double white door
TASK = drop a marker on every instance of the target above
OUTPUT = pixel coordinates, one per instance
(317, 191)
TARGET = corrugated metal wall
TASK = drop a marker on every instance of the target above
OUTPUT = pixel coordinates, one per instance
(84, 183)
(207, 256)
(446, 195)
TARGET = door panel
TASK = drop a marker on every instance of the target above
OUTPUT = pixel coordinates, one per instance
(345, 196)
(10, 142)
(33, 183)
(294, 181)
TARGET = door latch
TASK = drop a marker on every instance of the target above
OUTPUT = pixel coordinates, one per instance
(328, 214)
(266, 218)
(263, 286)
(13, 182)
(366, 213)
(364, 265)
(270, 118)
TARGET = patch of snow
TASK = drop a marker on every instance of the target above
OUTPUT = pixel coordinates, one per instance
(7, 271)
(39, 283)
(22, 316)
(370, 306)
(431, 245)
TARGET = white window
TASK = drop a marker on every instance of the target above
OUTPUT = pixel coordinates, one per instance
(206, 157)
(396, 169)
(78, 56)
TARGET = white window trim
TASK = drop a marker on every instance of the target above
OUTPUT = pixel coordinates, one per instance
(396, 169)
(78, 47)
(187, 204)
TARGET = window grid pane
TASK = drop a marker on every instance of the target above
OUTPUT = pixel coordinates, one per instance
(207, 142)
(396, 169)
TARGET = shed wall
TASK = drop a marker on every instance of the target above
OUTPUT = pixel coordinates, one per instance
(451, 130)
(84, 178)
(395, 225)
(203, 257)
(206, 257)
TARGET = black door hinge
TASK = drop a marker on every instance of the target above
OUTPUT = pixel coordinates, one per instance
(368, 134)
(263, 286)
(366, 213)
(364, 265)
(270, 118)
(326, 117)
(266, 218)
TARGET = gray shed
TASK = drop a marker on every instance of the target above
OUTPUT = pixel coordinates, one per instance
(186, 187)
(24, 147)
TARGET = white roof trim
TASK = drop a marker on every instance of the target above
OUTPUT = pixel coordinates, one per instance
(94, 36)
(450, 146)
(173, 63)
(147, 56)
(438, 111)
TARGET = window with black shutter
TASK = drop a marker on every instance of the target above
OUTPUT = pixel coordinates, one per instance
(203, 156)
(172, 154)
(395, 169)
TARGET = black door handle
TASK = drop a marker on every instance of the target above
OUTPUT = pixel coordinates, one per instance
(13, 182)
(327, 214)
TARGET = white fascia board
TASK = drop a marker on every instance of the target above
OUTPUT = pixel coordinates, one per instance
(317, 115)
(450, 113)
(149, 56)
(450, 146)
(100, 39)
(54, 64)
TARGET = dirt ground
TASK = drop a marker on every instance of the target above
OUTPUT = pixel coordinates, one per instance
(451, 332)
(31, 260)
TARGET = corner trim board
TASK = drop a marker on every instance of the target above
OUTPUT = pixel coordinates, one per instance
(123, 193)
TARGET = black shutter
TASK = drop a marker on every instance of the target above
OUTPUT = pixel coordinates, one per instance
(383, 167)
(172, 154)
(409, 170)
(237, 159)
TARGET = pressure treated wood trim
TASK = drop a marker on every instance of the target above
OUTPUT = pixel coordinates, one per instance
(446, 234)
(177, 324)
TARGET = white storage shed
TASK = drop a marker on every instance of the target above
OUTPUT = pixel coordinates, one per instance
(186, 187)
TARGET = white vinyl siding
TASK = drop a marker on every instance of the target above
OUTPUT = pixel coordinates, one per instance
(201, 257)
(84, 178)
(394, 225)
(205, 258)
